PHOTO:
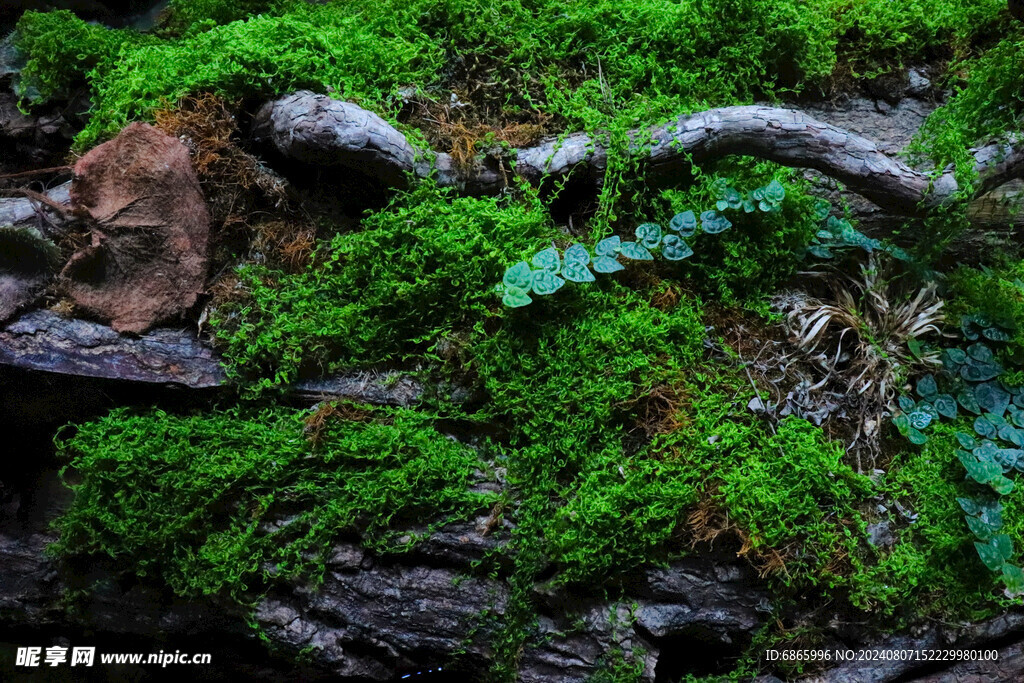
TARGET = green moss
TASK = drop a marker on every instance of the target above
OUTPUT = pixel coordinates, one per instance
(585, 64)
(225, 501)
(762, 250)
(418, 270)
(185, 16)
(987, 104)
(622, 515)
(62, 50)
(933, 568)
(996, 293)
(787, 490)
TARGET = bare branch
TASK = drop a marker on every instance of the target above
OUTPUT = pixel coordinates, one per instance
(316, 129)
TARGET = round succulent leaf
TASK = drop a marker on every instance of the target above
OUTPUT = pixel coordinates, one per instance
(717, 225)
(546, 283)
(969, 506)
(967, 441)
(1011, 435)
(1018, 400)
(637, 252)
(997, 420)
(992, 398)
(758, 194)
(649, 234)
(1013, 579)
(1007, 458)
(837, 225)
(979, 371)
(966, 459)
(984, 428)
(733, 197)
(983, 472)
(916, 436)
(927, 407)
(577, 253)
(1016, 415)
(980, 352)
(1004, 544)
(608, 246)
(995, 334)
(775, 191)
(956, 357)
(577, 272)
(765, 206)
(946, 405)
(981, 530)
(989, 555)
(675, 249)
(986, 452)
(926, 387)
(520, 275)
(967, 400)
(547, 260)
(906, 403)
(919, 419)
(684, 223)
(749, 206)
(516, 297)
(607, 264)
(991, 512)
(902, 423)
(979, 319)
(821, 209)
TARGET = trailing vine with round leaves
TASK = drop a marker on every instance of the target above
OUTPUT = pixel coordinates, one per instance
(548, 270)
(993, 452)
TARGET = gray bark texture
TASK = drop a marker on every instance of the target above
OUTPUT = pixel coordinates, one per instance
(44, 341)
(317, 129)
(375, 618)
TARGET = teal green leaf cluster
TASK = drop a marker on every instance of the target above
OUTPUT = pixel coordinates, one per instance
(518, 279)
(972, 375)
(839, 235)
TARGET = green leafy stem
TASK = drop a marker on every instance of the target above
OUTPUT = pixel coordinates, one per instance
(548, 270)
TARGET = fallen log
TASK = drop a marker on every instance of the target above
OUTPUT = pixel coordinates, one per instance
(316, 129)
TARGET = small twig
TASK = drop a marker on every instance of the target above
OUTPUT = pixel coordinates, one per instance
(42, 198)
(38, 171)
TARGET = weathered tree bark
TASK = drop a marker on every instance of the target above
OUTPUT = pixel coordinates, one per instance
(316, 129)
(44, 341)
(376, 618)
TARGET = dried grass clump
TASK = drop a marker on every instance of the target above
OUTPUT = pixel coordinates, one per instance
(231, 177)
(466, 133)
(709, 521)
(861, 337)
(323, 414)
